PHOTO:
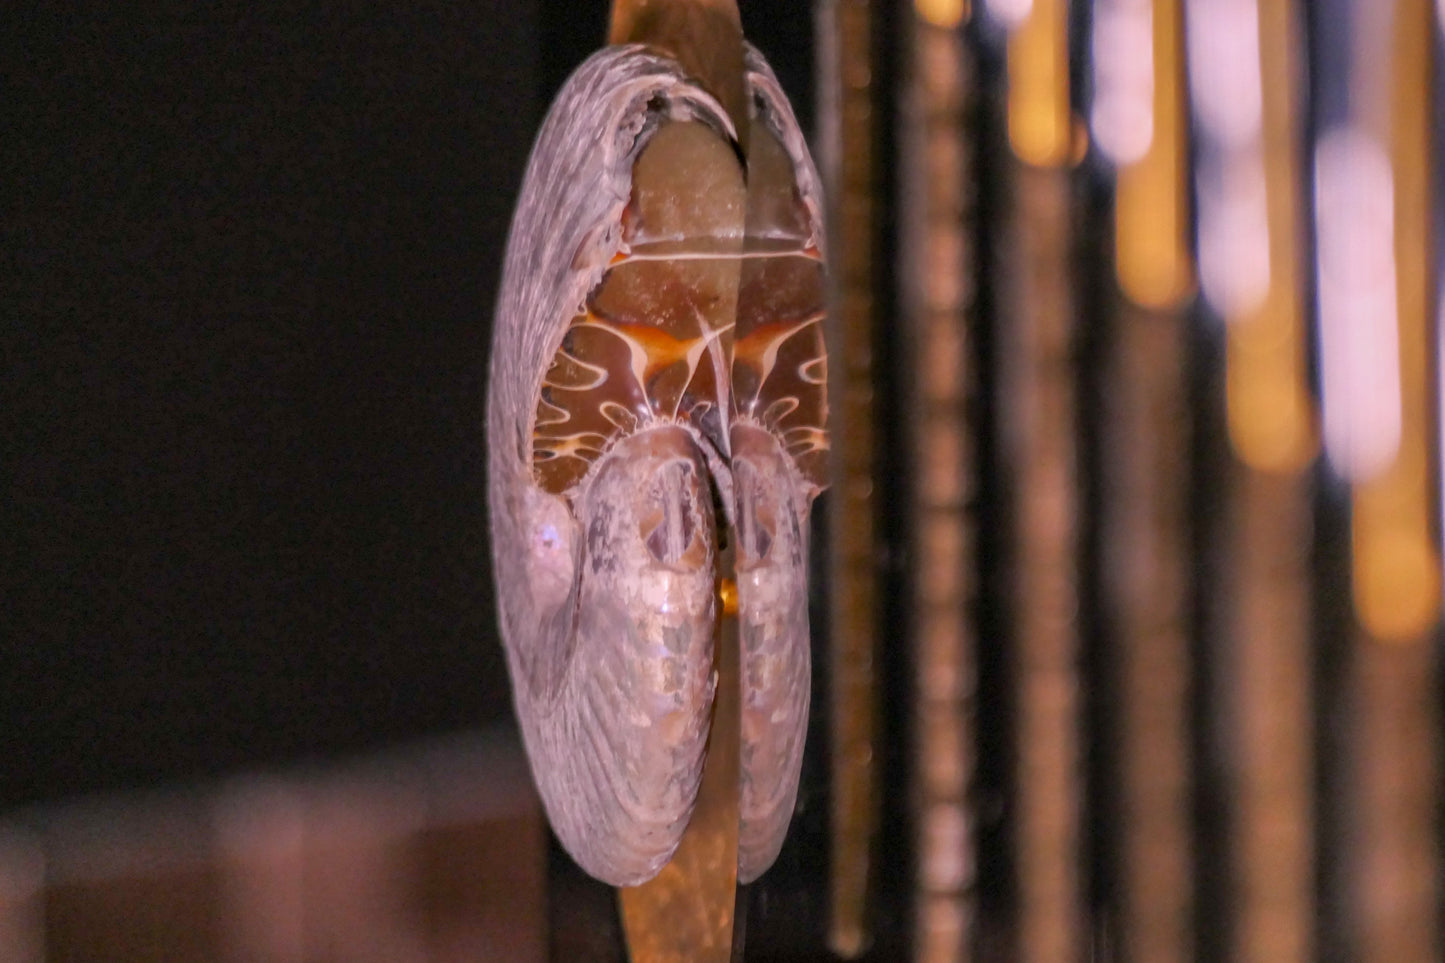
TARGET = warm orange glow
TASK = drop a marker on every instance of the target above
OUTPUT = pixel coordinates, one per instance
(1271, 413)
(943, 13)
(1040, 125)
(1396, 564)
(727, 593)
(1152, 214)
(1397, 573)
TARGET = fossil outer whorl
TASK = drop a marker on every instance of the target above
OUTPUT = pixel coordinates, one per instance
(778, 449)
(609, 645)
(655, 312)
(772, 577)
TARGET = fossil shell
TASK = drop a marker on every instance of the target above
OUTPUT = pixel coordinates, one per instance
(657, 350)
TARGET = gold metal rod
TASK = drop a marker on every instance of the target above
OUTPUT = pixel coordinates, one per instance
(1272, 417)
(1271, 425)
(685, 913)
(1268, 672)
(938, 219)
(1147, 545)
(1041, 394)
(847, 94)
(1038, 388)
(1040, 122)
(1139, 119)
(1396, 891)
(1152, 208)
(1396, 565)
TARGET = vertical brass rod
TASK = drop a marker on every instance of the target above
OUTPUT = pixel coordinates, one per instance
(1272, 417)
(1268, 664)
(1049, 699)
(1152, 203)
(1269, 671)
(1396, 564)
(1145, 559)
(1037, 385)
(686, 912)
(1145, 537)
(1037, 394)
(1040, 123)
(847, 147)
(938, 296)
(1397, 779)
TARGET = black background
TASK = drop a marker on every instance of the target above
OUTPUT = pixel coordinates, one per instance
(247, 263)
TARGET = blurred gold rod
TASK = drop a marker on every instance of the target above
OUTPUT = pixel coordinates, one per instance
(947, 14)
(846, 92)
(1040, 121)
(937, 288)
(1397, 778)
(1271, 423)
(1039, 393)
(1147, 547)
(1396, 566)
(1397, 577)
(1271, 413)
(685, 913)
(1147, 535)
(1268, 672)
(1151, 235)
(1039, 387)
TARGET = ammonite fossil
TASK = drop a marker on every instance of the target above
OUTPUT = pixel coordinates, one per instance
(658, 387)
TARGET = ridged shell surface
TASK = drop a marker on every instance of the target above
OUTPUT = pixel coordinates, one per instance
(649, 323)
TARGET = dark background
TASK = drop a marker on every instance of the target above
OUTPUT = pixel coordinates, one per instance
(247, 264)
